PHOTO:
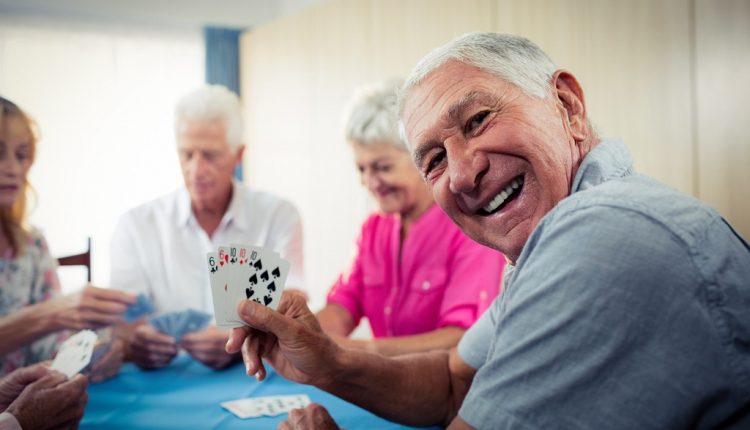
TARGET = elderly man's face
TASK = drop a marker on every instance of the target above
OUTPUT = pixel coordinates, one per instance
(207, 162)
(496, 159)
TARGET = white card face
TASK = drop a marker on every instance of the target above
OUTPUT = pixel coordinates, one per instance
(217, 274)
(75, 353)
(266, 406)
(254, 279)
(227, 307)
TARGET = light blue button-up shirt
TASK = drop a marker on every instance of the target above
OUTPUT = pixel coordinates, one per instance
(628, 308)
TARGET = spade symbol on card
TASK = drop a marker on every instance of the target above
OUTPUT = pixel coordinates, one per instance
(267, 299)
(256, 300)
(249, 293)
(271, 287)
(253, 279)
(264, 276)
(276, 273)
(258, 265)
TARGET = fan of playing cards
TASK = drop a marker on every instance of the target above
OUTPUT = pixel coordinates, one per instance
(242, 272)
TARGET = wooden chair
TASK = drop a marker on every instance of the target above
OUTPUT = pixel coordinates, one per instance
(82, 259)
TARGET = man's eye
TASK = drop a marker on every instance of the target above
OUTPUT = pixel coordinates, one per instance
(434, 162)
(475, 121)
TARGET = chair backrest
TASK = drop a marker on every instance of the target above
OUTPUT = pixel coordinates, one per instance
(82, 259)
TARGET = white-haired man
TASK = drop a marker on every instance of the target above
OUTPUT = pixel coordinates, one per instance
(159, 248)
(628, 305)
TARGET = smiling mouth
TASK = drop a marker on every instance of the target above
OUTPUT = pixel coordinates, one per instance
(510, 192)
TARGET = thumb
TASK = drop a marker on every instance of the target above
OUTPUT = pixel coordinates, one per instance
(265, 319)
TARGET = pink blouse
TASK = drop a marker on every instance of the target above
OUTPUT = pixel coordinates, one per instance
(442, 279)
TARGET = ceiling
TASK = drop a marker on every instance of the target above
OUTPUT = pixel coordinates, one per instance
(164, 14)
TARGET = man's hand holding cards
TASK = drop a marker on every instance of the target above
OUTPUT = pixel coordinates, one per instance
(241, 272)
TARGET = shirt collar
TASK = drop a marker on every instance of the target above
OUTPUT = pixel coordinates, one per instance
(608, 160)
(234, 213)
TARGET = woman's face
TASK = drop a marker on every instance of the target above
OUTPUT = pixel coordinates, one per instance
(391, 177)
(15, 158)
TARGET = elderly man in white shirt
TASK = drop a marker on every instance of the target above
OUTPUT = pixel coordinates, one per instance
(159, 248)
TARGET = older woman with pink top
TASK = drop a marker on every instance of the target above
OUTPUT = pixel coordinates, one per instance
(416, 277)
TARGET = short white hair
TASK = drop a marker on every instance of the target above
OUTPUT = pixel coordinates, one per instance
(372, 116)
(512, 58)
(212, 103)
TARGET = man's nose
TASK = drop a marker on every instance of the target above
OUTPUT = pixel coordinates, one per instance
(198, 165)
(465, 166)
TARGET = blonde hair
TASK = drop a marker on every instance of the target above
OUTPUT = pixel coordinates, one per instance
(13, 219)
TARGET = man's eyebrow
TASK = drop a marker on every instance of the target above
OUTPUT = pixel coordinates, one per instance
(456, 110)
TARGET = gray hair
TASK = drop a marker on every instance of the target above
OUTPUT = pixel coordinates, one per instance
(372, 116)
(512, 58)
(212, 103)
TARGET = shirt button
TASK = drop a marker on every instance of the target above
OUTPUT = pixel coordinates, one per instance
(426, 285)
(387, 310)
(483, 295)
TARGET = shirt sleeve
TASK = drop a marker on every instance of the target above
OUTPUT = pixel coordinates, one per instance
(592, 331)
(287, 238)
(347, 291)
(475, 277)
(9, 422)
(127, 272)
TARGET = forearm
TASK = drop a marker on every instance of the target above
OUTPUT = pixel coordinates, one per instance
(25, 326)
(413, 389)
(444, 338)
(335, 319)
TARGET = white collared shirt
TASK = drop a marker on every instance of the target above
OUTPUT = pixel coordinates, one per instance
(159, 249)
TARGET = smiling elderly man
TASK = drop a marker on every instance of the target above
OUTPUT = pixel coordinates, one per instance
(628, 305)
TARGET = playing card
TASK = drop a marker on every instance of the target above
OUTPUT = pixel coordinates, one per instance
(252, 262)
(178, 323)
(75, 353)
(266, 406)
(218, 273)
(138, 309)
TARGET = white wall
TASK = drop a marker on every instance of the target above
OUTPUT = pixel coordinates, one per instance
(103, 101)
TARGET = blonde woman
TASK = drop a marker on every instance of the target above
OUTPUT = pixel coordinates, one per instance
(33, 314)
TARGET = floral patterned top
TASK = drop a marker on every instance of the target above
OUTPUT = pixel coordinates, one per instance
(25, 280)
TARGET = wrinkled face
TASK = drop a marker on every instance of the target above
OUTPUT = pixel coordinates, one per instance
(389, 174)
(15, 158)
(496, 159)
(207, 162)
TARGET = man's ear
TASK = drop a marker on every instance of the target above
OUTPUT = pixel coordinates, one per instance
(570, 94)
(240, 153)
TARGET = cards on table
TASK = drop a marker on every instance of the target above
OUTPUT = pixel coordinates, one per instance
(253, 407)
(75, 353)
(241, 272)
(177, 324)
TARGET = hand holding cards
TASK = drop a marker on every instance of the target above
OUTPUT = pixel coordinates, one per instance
(241, 272)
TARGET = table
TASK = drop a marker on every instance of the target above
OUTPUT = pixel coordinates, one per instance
(187, 395)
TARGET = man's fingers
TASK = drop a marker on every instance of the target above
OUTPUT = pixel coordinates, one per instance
(266, 319)
(52, 379)
(236, 339)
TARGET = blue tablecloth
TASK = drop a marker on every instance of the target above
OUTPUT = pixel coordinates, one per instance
(187, 395)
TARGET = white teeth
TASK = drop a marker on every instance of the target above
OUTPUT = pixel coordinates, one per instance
(504, 194)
